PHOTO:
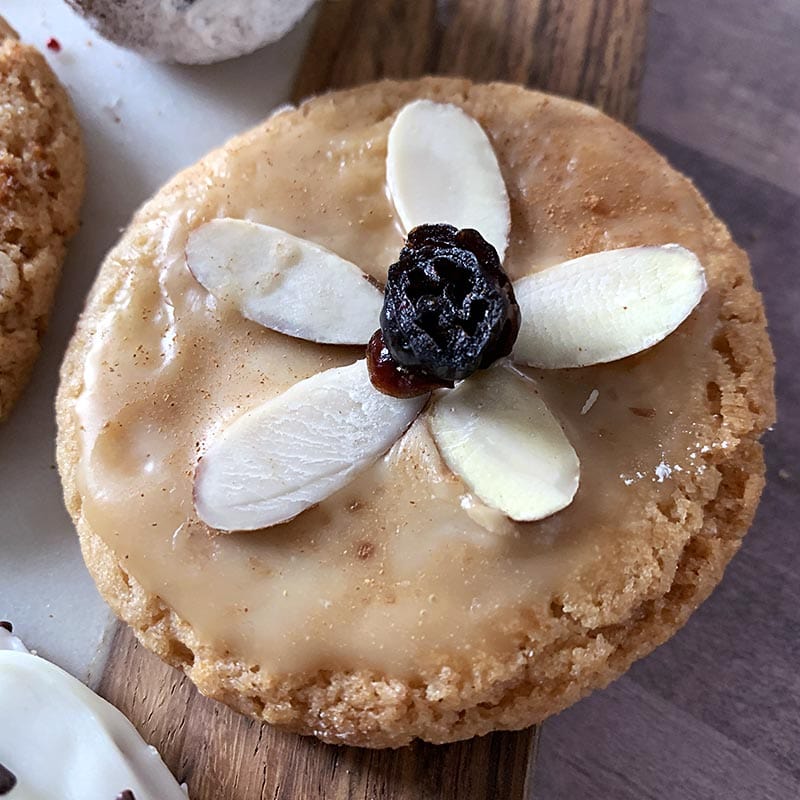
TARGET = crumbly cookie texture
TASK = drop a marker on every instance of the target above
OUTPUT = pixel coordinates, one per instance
(587, 639)
(41, 186)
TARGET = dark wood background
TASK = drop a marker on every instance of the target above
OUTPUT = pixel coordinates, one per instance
(715, 713)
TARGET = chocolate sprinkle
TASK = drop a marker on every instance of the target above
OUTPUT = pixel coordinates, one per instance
(8, 780)
(7, 625)
(126, 795)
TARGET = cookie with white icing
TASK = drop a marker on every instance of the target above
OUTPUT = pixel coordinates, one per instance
(377, 587)
(59, 739)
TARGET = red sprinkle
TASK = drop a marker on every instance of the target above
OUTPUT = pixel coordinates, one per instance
(53, 44)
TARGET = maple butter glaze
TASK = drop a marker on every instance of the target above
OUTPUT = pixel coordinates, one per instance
(402, 571)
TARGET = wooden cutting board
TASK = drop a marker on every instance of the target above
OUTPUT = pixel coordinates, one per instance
(589, 49)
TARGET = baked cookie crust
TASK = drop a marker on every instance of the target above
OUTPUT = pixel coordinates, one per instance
(41, 186)
(580, 645)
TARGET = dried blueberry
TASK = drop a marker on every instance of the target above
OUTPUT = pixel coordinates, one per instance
(449, 309)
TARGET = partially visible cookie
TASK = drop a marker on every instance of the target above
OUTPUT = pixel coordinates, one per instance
(90, 746)
(192, 31)
(42, 175)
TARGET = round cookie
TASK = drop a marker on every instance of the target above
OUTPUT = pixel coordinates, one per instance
(193, 31)
(389, 611)
(41, 186)
(50, 717)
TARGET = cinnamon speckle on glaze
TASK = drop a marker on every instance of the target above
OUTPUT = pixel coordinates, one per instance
(365, 550)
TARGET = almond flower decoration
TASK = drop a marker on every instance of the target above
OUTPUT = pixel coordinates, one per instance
(452, 327)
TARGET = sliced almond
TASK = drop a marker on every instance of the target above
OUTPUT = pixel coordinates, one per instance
(441, 167)
(606, 306)
(496, 433)
(295, 450)
(283, 282)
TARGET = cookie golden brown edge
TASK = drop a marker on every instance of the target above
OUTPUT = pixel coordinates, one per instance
(42, 175)
(580, 652)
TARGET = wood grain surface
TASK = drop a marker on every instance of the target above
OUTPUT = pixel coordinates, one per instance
(591, 49)
(225, 756)
(714, 714)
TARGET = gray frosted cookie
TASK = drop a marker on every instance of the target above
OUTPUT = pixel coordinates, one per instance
(193, 31)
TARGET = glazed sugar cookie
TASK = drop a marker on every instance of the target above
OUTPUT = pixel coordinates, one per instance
(370, 568)
(41, 185)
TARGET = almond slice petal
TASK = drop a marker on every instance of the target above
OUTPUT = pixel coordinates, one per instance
(295, 450)
(606, 306)
(441, 167)
(496, 433)
(283, 282)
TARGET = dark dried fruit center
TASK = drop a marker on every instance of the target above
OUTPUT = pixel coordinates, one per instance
(389, 377)
(449, 309)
